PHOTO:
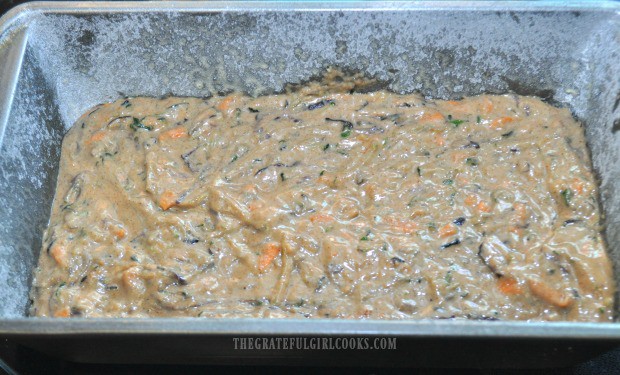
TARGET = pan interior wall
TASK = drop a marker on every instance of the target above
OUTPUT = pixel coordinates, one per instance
(75, 61)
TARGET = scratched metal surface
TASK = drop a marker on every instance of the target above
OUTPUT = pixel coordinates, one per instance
(59, 59)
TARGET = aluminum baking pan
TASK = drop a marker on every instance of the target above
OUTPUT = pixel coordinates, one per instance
(58, 59)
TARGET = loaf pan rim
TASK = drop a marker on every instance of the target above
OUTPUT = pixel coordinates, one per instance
(503, 329)
(314, 327)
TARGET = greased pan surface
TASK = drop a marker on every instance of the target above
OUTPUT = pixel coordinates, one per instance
(58, 59)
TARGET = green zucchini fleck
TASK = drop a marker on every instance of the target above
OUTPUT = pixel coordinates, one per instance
(369, 236)
(57, 292)
(567, 195)
(455, 122)
(137, 124)
(472, 161)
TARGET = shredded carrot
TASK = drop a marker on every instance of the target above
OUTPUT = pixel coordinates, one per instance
(321, 218)
(119, 233)
(98, 136)
(483, 207)
(471, 200)
(270, 252)
(65, 312)
(167, 199)
(401, 226)
(225, 103)
(509, 286)
(432, 117)
(174, 133)
(549, 294)
(408, 227)
(453, 102)
(59, 253)
(447, 231)
(577, 186)
(499, 122)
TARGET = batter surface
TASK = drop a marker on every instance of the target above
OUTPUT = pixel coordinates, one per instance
(315, 204)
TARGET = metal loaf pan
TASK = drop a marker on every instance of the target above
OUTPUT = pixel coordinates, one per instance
(58, 59)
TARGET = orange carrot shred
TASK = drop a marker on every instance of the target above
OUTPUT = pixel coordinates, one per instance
(65, 312)
(119, 233)
(321, 218)
(58, 252)
(483, 207)
(578, 186)
(447, 231)
(471, 200)
(509, 286)
(270, 252)
(408, 227)
(174, 133)
(98, 136)
(432, 117)
(225, 103)
(167, 199)
(498, 122)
